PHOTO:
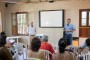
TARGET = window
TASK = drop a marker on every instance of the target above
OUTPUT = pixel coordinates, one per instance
(84, 27)
(22, 23)
(0, 22)
(19, 23)
(89, 18)
(85, 18)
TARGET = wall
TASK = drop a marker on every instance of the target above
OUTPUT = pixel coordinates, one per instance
(82, 41)
(71, 11)
(3, 9)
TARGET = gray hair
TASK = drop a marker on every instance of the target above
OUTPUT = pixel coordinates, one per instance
(45, 38)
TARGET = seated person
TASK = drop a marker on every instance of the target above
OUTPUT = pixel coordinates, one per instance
(4, 52)
(8, 44)
(80, 49)
(34, 52)
(72, 49)
(47, 46)
(2, 34)
(87, 48)
(63, 54)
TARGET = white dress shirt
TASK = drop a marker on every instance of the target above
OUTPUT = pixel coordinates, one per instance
(32, 30)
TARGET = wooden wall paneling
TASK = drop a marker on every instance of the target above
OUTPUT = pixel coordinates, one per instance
(14, 23)
(82, 32)
(88, 32)
(14, 30)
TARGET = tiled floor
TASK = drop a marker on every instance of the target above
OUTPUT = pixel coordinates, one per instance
(75, 43)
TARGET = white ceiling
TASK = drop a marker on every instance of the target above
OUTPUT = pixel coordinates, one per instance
(30, 1)
(13, 1)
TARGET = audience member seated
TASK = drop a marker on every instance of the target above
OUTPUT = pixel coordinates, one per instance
(87, 48)
(72, 49)
(4, 52)
(64, 54)
(8, 44)
(47, 46)
(34, 52)
(80, 49)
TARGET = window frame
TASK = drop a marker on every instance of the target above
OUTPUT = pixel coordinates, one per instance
(1, 21)
(80, 17)
(84, 30)
(26, 21)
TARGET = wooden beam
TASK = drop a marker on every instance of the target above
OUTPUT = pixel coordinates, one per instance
(28, 1)
(43, 0)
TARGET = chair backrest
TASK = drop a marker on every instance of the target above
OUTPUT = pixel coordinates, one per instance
(15, 55)
(32, 59)
(47, 54)
(86, 56)
(55, 47)
(21, 52)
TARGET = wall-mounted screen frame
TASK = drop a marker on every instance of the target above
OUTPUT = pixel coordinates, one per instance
(51, 18)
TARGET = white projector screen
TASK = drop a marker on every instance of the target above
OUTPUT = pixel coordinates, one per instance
(51, 18)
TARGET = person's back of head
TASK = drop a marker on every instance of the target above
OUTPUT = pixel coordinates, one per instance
(45, 39)
(3, 40)
(88, 42)
(31, 24)
(35, 44)
(62, 45)
(5, 54)
(3, 33)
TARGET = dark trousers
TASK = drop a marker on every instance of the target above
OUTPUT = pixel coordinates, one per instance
(69, 38)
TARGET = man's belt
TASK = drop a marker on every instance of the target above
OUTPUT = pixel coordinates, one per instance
(32, 35)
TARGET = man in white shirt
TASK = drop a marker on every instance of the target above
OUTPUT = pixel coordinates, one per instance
(32, 32)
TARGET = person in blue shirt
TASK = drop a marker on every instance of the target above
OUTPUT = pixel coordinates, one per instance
(69, 29)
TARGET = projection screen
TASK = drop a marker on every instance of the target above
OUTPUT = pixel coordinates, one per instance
(51, 18)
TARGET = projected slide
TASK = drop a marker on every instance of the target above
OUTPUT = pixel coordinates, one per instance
(51, 18)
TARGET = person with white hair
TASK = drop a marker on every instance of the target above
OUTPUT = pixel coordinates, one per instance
(47, 46)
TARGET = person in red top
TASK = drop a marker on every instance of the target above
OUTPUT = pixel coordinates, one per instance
(47, 46)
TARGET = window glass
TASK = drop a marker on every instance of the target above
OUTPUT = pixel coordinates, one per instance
(22, 23)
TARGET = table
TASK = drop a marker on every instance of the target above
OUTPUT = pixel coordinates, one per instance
(14, 37)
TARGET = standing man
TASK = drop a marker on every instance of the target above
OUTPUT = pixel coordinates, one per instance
(69, 29)
(32, 32)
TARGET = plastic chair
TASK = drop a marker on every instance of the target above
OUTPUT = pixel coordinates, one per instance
(32, 59)
(21, 52)
(55, 47)
(47, 54)
(85, 56)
